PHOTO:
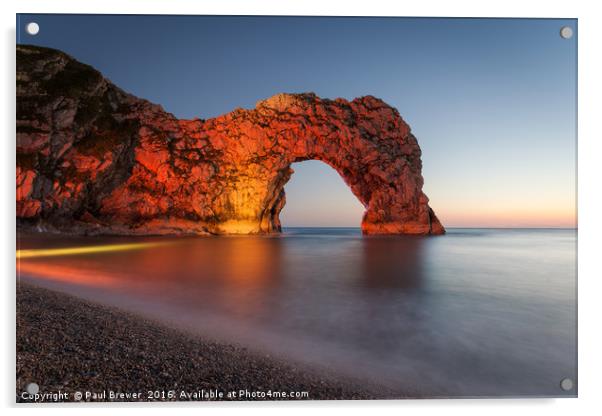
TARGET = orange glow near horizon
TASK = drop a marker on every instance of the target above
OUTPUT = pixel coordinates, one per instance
(519, 207)
(509, 218)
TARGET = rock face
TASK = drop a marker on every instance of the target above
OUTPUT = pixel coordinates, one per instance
(92, 158)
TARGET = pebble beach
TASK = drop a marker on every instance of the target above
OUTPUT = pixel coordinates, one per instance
(89, 352)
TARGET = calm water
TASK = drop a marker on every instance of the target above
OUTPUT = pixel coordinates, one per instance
(475, 312)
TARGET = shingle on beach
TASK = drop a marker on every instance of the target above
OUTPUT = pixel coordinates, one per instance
(71, 345)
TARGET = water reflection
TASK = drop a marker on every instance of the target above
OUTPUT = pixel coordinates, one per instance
(393, 262)
(460, 314)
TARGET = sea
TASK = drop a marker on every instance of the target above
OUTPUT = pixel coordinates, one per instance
(472, 313)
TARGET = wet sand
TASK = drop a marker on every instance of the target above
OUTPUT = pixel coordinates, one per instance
(69, 345)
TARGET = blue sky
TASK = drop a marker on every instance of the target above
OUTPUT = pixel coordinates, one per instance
(491, 101)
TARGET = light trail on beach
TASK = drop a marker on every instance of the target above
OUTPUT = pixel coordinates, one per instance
(105, 248)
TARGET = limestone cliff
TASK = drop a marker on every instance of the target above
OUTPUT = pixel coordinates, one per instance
(92, 158)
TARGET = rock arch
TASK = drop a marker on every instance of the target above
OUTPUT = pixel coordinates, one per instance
(94, 159)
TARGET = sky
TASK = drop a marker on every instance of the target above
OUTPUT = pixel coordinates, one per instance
(491, 101)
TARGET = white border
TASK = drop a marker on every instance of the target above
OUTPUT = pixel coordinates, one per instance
(590, 155)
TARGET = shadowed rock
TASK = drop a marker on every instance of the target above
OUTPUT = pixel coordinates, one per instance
(92, 158)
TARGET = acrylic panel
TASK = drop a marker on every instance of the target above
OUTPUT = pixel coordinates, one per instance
(295, 208)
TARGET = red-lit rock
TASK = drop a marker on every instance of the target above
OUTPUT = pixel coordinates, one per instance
(93, 159)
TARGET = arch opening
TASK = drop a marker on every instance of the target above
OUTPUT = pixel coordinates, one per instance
(317, 196)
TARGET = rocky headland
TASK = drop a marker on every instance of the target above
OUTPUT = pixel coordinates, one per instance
(93, 159)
